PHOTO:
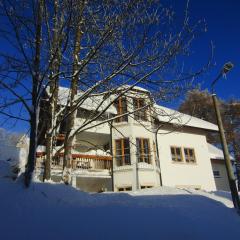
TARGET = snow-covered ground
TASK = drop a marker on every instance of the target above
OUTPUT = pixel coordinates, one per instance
(55, 211)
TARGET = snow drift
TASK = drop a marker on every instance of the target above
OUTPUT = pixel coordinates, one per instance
(55, 211)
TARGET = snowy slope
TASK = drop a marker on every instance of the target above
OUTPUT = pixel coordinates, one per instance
(54, 211)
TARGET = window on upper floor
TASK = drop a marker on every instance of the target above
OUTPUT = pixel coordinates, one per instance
(139, 114)
(122, 152)
(189, 155)
(176, 153)
(121, 105)
(143, 150)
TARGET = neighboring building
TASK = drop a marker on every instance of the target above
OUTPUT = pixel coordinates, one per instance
(14, 147)
(14, 150)
(219, 168)
(152, 147)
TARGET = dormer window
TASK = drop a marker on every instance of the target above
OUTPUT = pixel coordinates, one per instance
(141, 114)
(121, 105)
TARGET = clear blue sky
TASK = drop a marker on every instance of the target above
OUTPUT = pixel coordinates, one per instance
(223, 24)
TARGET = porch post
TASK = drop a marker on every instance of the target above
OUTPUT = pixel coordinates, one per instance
(134, 163)
(74, 181)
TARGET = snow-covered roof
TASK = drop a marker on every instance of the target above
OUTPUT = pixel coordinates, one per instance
(91, 103)
(137, 88)
(163, 114)
(216, 153)
(168, 115)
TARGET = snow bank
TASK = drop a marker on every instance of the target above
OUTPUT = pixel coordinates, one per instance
(56, 211)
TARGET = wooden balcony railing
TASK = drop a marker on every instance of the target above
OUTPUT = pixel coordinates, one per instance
(79, 161)
(60, 137)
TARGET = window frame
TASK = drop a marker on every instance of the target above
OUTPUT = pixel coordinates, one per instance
(146, 186)
(138, 114)
(216, 175)
(124, 189)
(175, 154)
(188, 156)
(122, 107)
(140, 147)
(123, 155)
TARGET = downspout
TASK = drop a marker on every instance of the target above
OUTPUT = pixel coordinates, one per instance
(111, 152)
(157, 151)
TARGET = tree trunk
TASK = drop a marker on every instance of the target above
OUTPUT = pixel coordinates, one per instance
(54, 86)
(50, 133)
(68, 142)
(68, 146)
(34, 116)
(32, 149)
(48, 160)
(67, 169)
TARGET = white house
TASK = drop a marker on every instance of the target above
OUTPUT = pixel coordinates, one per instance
(148, 148)
(14, 150)
(219, 168)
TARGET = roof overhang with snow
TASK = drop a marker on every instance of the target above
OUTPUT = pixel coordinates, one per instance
(92, 103)
(216, 153)
(171, 116)
(163, 114)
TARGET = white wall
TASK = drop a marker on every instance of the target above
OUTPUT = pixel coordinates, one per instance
(123, 177)
(17, 155)
(221, 181)
(103, 128)
(197, 175)
(148, 178)
(128, 176)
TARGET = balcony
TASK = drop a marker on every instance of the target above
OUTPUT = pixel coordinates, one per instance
(89, 163)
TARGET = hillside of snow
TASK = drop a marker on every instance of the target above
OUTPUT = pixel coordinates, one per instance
(55, 211)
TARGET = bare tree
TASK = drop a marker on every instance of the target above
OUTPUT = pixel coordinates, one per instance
(30, 63)
(22, 65)
(100, 50)
(125, 43)
(56, 34)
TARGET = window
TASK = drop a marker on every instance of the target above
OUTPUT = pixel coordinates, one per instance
(143, 187)
(216, 174)
(122, 189)
(189, 155)
(122, 152)
(121, 105)
(140, 114)
(176, 154)
(143, 150)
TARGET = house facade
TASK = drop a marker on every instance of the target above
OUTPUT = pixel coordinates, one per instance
(14, 151)
(219, 168)
(150, 147)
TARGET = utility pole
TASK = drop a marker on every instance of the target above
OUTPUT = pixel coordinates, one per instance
(231, 178)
